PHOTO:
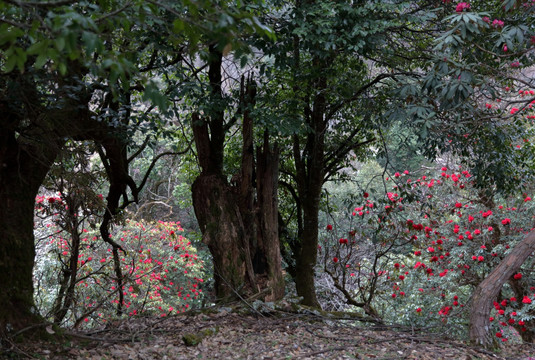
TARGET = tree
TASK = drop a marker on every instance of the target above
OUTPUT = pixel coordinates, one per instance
(486, 50)
(69, 71)
(340, 66)
(239, 228)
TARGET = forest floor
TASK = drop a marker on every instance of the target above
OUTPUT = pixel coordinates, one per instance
(225, 334)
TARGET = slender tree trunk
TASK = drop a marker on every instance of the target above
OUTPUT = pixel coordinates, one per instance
(310, 171)
(306, 262)
(66, 293)
(488, 290)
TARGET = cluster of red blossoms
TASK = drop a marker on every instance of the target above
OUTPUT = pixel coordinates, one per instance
(448, 242)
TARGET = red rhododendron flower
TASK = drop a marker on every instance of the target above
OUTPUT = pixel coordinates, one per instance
(506, 221)
(462, 7)
(329, 227)
(526, 300)
(499, 334)
(517, 276)
(335, 259)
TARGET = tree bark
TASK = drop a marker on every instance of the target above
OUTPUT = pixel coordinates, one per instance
(23, 168)
(487, 291)
(310, 176)
(267, 256)
(220, 221)
(236, 226)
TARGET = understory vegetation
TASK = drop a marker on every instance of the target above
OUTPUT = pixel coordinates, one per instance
(370, 158)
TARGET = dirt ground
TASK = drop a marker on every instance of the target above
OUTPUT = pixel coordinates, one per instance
(224, 334)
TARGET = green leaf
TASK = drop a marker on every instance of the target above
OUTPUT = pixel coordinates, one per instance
(60, 43)
(40, 61)
(38, 48)
(10, 63)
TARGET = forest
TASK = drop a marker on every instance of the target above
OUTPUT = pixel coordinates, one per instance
(367, 158)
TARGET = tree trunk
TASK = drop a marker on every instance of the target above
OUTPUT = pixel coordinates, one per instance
(306, 261)
(220, 221)
(488, 290)
(267, 257)
(310, 176)
(234, 226)
(22, 170)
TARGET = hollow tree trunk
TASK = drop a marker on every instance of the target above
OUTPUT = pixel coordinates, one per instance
(223, 232)
(488, 290)
(267, 257)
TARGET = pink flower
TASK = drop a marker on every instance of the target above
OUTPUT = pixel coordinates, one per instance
(505, 48)
(527, 199)
(462, 7)
(486, 19)
(497, 23)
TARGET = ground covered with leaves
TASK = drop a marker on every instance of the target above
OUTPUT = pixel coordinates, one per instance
(224, 333)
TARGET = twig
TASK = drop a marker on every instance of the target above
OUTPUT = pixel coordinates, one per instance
(87, 337)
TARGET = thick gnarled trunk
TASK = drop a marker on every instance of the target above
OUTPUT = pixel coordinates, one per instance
(488, 290)
(240, 229)
(220, 221)
(22, 170)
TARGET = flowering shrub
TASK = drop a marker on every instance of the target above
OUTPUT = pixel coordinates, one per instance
(161, 269)
(416, 255)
